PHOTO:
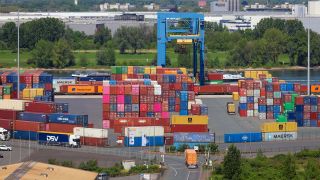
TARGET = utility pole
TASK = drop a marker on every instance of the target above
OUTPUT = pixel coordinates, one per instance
(308, 52)
(18, 45)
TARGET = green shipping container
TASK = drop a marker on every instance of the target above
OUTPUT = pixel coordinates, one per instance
(6, 90)
(288, 106)
(118, 70)
(293, 97)
(124, 70)
(277, 94)
(282, 119)
(114, 69)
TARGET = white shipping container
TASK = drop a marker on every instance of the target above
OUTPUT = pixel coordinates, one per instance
(13, 104)
(157, 89)
(105, 82)
(190, 103)
(269, 101)
(279, 136)
(198, 101)
(91, 132)
(249, 92)
(154, 82)
(262, 116)
(256, 93)
(250, 113)
(255, 113)
(243, 99)
(255, 99)
(144, 130)
(58, 82)
(256, 106)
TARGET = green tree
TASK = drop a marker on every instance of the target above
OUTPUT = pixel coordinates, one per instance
(63, 54)
(232, 163)
(312, 170)
(75, 38)
(83, 61)
(8, 34)
(102, 36)
(276, 43)
(130, 38)
(106, 56)
(155, 60)
(289, 167)
(42, 55)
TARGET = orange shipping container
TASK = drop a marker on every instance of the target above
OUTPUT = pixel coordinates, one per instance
(100, 89)
(74, 89)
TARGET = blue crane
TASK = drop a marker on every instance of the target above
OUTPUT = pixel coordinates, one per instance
(186, 28)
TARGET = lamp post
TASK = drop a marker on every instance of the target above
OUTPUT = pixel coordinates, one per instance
(309, 52)
(18, 56)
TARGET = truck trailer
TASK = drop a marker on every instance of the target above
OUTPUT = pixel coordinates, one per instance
(191, 158)
(58, 139)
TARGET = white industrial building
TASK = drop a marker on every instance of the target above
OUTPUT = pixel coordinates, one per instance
(314, 8)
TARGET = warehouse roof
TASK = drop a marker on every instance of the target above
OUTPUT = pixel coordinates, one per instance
(43, 171)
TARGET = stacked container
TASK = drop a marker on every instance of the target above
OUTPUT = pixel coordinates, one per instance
(215, 78)
(92, 136)
(275, 131)
(189, 123)
(306, 111)
(192, 139)
(5, 92)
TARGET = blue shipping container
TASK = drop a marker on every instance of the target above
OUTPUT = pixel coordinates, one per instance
(291, 115)
(306, 100)
(243, 106)
(313, 100)
(54, 138)
(277, 108)
(283, 87)
(147, 141)
(193, 137)
(183, 112)
(62, 107)
(306, 123)
(269, 108)
(262, 108)
(313, 123)
(184, 105)
(299, 108)
(290, 87)
(25, 135)
(37, 117)
(243, 137)
(68, 119)
(250, 99)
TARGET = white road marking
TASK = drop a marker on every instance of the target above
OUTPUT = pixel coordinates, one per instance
(188, 175)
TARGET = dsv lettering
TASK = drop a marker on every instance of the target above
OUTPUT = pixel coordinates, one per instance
(52, 138)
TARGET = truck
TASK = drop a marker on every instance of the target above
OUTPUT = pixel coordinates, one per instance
(4, 134)
(58, 139)
(191, 158)
(231, 108)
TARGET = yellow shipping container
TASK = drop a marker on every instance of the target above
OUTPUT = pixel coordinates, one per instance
(130, 69)
(100, 89)
(239, 82)
(153, 70)
(253, 74)
(26, 93)
(184, 70)
(176, 119)
(269, 76)
(279, 127)
(33, 93)
(231, 108)
(124, 76)
(247, 74)
(235, 96)
(40, 91)
(147, 70)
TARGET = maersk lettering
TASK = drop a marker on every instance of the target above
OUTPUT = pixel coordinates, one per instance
(52, 138)
(282, 136)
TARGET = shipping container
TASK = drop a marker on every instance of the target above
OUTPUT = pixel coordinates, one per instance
(183, 120)
(189, 128)
(29, 116)
(91, 141)
(63, 128)
(68, 119)
(18, 105)
(243, 137)
(190, 145)
(194, 137)
(40, 107)
(90, 132)
(279, 127)
(144, 141)
(8, 114)
(6, 124)
(25, 135)
(279, 136)
(144, 131)
(62, 81)
(29, 126)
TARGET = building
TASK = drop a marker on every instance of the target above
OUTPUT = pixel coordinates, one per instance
(151, 7)
(76, 2)
(314, 8)
(236, 23)
(218, 6)
(114, 6)
(225, 6)
(202, 3)
(299, 10)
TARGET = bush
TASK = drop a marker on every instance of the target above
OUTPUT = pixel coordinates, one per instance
(53, 161)
(83, 61)
(67, 163)
(145, 169)
(183, 147)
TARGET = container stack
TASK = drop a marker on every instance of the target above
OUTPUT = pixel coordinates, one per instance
(189, 123)
(192, 139)
(5, 92)
(92, 136)
(257, 74)
(144, 136)
(267, 98)
(306, 111)
(215, 78)
(29, 80)
(275, 131)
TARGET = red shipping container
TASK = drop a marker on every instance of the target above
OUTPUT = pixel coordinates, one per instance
(167, 129)
(318, 123)
(243, 113)
(168, 140)
(287, 98)
(117, 129)
(143, 90)
(8, 114)
(276, 86)
(232, 88)
(303, 88)
(269, 115)
(113, 90)
(189, 128)
(48, 86)
(306, 108)
(263, 92)
(6, 124)
(262, 101)
(127, 89)
(120, 89)
(98, 142)
(135, 99)
(143, 114)
(250, 106)
(242, 92)
(314, 116)
(105, 107)
(40, 107)
(177, 108)
(106, 115)
(299, 100)
(215, 76)
(213, 89)
(256, 85)
(29, 126)
(277, 101)
(177, 86)
(143, 107)
(64, 128)
(297, 87)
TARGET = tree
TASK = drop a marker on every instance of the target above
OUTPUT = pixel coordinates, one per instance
(8, 34)
(232, 163)
(155, 60)
(42, 55)
(63, 54)
(106, 56)
(185, 60)
(130, 38)
(312, 170)
(102, 35)
(83, 61)
(289, 167)
(276, 43)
